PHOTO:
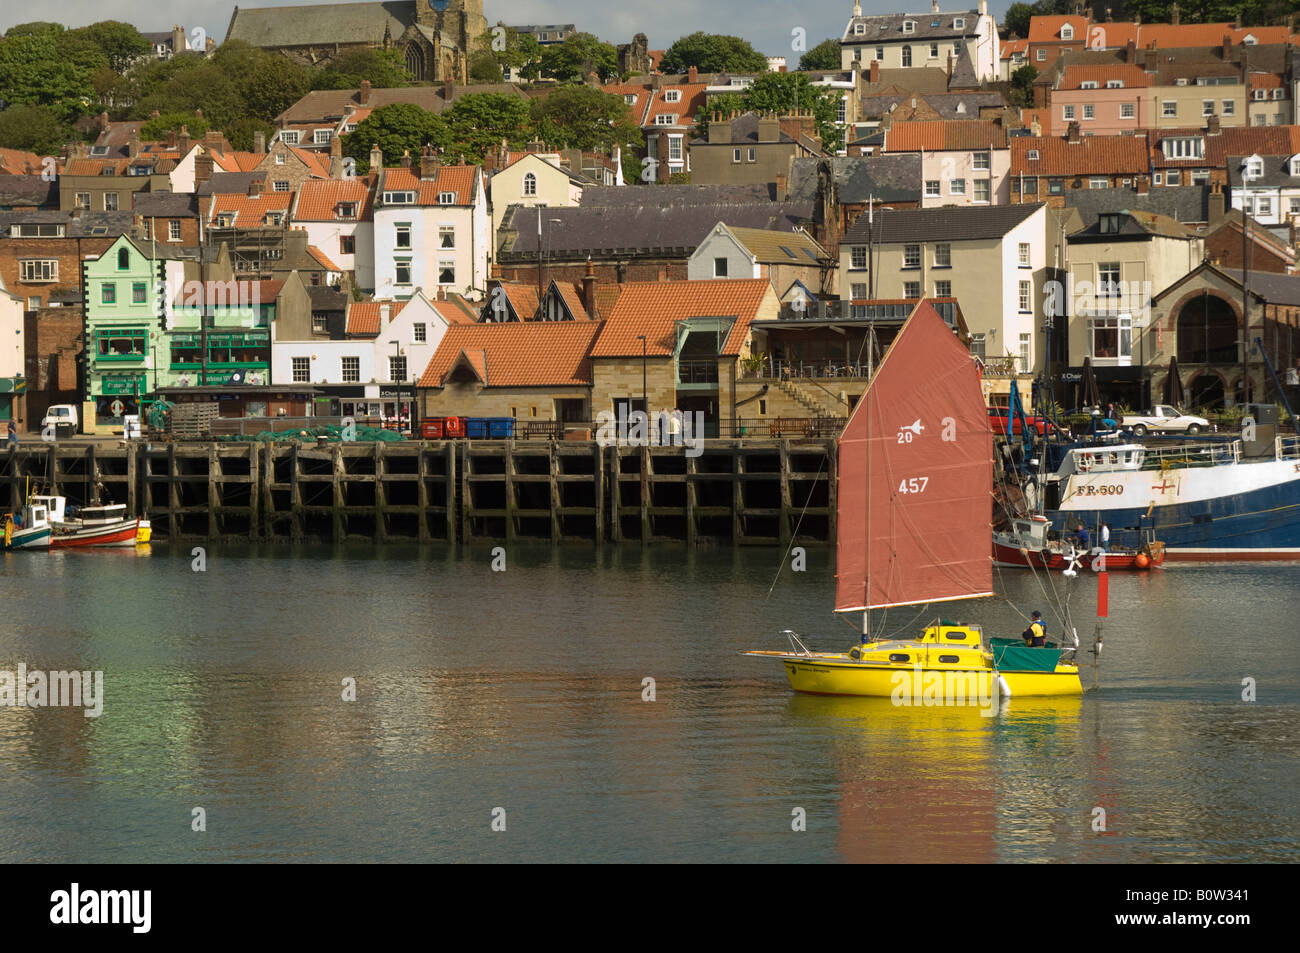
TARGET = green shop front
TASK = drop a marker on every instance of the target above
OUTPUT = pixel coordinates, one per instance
(12, 393)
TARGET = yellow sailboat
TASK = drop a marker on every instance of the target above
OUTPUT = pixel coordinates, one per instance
(914, 516)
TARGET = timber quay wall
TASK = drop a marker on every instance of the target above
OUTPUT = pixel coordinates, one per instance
(736, 492)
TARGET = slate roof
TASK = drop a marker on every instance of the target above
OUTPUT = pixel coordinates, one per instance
(961, 223)
(1276, 174)
(518, 354)
(1270, 286)
(653, 308)
(321, 24)
(1186, 203)
(928, 26)
(85, 225)
(228, 183)
(886, 178)
(334, 104)
(613, 196)
(28, 190)
(166, 205)
(947, 105)
(1138, 222)
(649, 227)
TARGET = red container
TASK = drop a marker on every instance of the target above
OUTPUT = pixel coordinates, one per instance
(453, 426)
(432, 428)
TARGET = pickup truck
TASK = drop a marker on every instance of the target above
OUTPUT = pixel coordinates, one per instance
(998, 422)
(1164, 418)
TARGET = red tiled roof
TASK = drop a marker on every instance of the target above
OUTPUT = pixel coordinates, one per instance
(1131, 76)
(323, 258)
(237, 161)
(1230, 141)
(250, 212)
(364, 316)
(456, 310)
(1007, 47)
(1265, 81)
(637, 108)
(522, 298)
(653, 308)
(518, 354)
(1099, 155)
(319, 199)
(95, 166)
(572, 300)
(692, 100)
(17, 162)
(957, 135)
(318, 163)
(451, 178)
(1048, 29)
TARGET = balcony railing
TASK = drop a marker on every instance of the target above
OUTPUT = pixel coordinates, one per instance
(809, 370)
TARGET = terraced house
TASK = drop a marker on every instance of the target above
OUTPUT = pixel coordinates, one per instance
(431, 229)
(918, 40)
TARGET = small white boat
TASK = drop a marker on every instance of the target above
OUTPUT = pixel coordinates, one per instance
(96, 524)
(28, 529)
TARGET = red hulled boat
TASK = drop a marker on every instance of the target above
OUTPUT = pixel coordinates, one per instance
(1027, 546)
(96, 524)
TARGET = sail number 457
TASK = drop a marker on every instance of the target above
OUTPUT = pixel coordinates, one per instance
(913, 485)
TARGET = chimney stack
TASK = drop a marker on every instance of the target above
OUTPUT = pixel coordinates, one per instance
(1212, 125)
(336, 157)
(589, 291)
(259, 142)
(1227, 48)
(171, 139)
(657, 81)
(1173, 15)
(428, 163)
(693, 75)
(133, 144)
(1035, 127)
(363, 94)
(376, 158)
(254, 187)
(183, 143)
(1216, 212)
(1072, 133)
(949, 62)
(406, 158)
(875, 71)
(1130, 55)
(202, 168)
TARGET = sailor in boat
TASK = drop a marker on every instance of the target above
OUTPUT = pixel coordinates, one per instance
(1085, 541)
(1036, 635)
(1104, 541)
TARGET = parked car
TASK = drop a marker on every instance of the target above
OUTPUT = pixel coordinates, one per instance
(62, 417)
(998, 422)
(1164, 418)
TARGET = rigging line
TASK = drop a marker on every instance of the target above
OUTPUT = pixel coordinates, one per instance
(799, 522)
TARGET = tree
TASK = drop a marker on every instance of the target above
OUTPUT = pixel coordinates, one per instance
(825, 55)
(579, 117)
(35, 28)
(579, 54)
(479, 121)
(273, 85)
(385, 69)
(396, 128)
(32, 129)
(33, 71)
(1017, 19)
(120, 42)
(240, 132)
(1022, 86)
(158, 127)
(203, 86)
(501, 47)
(782, 93)
(713, 53)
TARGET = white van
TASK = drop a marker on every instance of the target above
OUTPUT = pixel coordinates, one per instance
(60, 416)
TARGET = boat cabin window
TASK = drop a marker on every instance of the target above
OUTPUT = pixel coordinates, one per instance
(957, 636)
(899, 657)
(948, 658)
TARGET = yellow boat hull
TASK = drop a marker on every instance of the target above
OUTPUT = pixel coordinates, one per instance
(830, 676)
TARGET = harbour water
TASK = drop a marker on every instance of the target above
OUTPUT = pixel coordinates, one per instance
(523, 690)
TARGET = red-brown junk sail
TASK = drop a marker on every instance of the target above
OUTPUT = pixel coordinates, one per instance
(916, 477)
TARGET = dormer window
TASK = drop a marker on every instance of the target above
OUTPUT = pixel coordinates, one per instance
(226, 219)
(321, 136)
(666, 119)
(673, 96)
(446, 198)
(859, 29)
(274, 218)
(1114, 84)
(909, 26)
(1110, 223)
(1254, 167)
(399, 198)
(1249, 40)
(1088, 84)
(289, 137)
(629, 98)
(959, 23)
(1032, 155)
(1067, 32)
(347, 210)
(1189, 147)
